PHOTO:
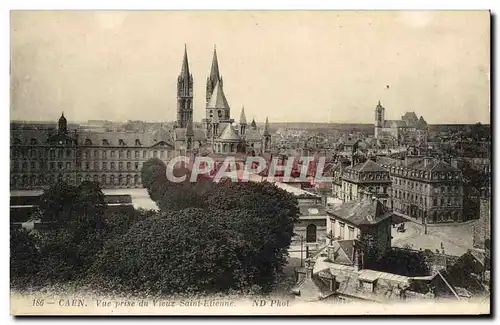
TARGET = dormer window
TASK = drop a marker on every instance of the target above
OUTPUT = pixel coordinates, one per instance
(88, 142)
(121, 142)
(105, 142)
(137, 142)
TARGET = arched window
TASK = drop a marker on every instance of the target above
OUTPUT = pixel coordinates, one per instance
(103, 180)
(136, 179)
(311, 233)
(112, 180)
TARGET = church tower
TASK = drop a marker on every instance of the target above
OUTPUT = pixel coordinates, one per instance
(63, 124)
(184, 94)
(379, 119)
(214, 77)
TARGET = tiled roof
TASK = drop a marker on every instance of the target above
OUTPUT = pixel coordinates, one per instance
(368, 166)
(361, 212)
(229, 135)
(409, 116)
(199, 134)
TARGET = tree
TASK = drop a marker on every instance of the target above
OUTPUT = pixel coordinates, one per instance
(57, 202)
(184, 251)
(24, 255)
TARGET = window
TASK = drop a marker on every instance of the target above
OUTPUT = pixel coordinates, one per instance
(137, 142)
(128, 154)
(88, 142)
(59, 165)
(68, 166)
(96, 179)
(96, 165)
(136, 154)
(85, 155)
(136, 180)
(311, 233)
(342, 230)
(105, 142)
(162, 153)
(68, 153)
(104, 154)
(87, 165)
(351, 232)
(121, 142)
(136, 166)
(122, 153)
(144, 154)
(103, 180)
(112, 180)
(112, 154)
(104, 165)
(59, 153)
(120, 165)
(112, 165)
(434, 202)
(33, 165)
(129, 165)
(155, 154)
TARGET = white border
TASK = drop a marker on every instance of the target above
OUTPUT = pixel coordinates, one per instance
(184, 4)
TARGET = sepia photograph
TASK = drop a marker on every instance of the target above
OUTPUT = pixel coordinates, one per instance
(299, 163)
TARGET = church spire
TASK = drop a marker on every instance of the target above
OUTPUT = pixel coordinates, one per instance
(185, 65)
(243, 118)
(214, 71)
(266, 127)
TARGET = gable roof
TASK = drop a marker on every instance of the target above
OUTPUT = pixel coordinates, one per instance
(361, 212)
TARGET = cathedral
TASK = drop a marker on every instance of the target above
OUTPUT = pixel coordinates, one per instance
(218, 133)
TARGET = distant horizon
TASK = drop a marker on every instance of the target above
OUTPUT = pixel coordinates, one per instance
(200, 122)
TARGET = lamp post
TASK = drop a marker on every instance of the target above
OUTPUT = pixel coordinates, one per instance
(301, 251)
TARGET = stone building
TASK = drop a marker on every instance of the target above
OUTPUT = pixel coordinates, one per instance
(366, 179)
(410, 130)
(425, 188)
(114, 159)
(367, 220)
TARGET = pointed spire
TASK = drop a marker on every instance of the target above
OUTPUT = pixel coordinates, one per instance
(266, 127)
(253, 125)
(189, 129)
(243, 118)
(185, 65)
(214, 72)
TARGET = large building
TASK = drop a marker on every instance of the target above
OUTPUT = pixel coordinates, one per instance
(410, 130)
(362, 180)
(425, 189)
(42, 154)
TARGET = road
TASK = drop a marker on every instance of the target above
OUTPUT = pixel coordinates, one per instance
(455, 240)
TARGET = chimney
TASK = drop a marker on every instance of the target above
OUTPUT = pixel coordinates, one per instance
(406, 160)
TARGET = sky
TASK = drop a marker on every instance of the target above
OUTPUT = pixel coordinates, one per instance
(292, 66)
